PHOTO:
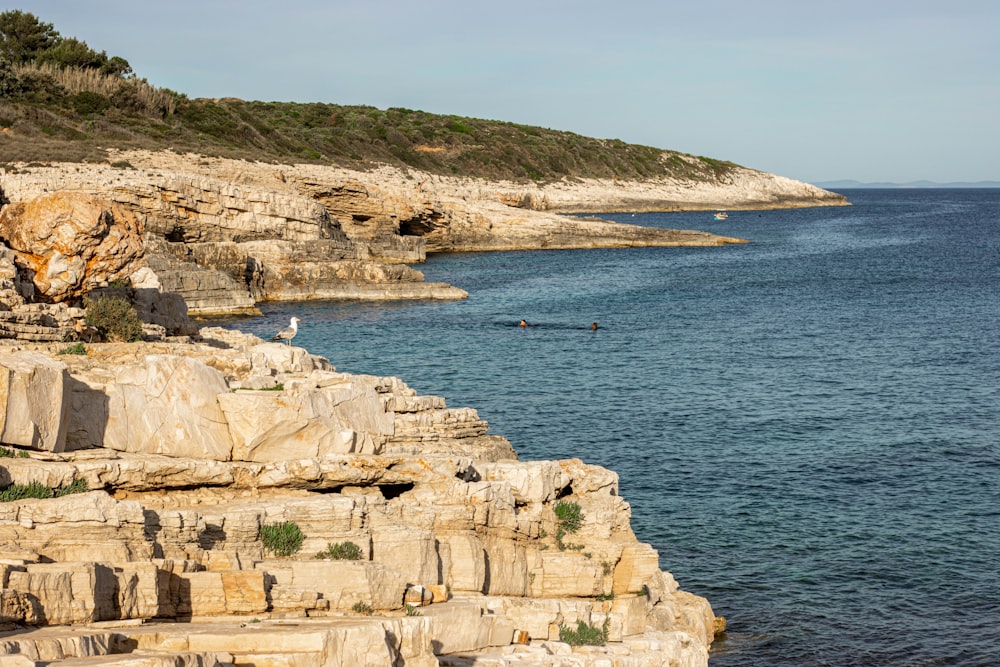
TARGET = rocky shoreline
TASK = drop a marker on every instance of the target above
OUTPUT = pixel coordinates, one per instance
(201, 497)
(182, 452)
(228, 234)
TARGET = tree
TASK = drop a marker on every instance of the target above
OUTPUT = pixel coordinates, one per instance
(71, 52)
(10, 85)
(23, 37)
(116, 65)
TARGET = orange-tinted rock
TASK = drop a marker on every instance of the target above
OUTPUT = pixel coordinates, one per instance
(71, 242)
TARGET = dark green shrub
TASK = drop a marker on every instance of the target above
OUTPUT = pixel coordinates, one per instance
(10, 85)
(281, 539)
(341, 551)
(88, 102)
(585, 634)
(458, 126)
(114, 317)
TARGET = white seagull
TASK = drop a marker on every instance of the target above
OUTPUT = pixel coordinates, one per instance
(288, 333)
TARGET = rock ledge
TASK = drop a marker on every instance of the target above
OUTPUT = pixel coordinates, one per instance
(183, 452)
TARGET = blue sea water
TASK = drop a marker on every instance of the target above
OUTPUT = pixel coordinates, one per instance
(807, 427)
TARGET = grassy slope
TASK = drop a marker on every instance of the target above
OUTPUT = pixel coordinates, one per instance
(61, 128)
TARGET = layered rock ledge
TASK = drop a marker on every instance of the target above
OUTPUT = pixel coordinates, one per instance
(227, 234)
(181, 453)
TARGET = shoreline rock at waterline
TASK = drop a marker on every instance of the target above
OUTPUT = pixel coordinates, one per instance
(183, 452)
(228, 234)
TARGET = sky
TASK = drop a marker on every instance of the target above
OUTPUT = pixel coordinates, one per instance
(871, 90)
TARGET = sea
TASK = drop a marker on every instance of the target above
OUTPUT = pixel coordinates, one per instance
(807, 426)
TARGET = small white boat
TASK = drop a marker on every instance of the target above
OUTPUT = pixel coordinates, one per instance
(721, 215)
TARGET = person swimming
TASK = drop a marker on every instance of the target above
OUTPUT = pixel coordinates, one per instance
(593, 327)
(523, 323)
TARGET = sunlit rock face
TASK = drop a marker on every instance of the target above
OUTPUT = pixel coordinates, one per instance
(171, 464)
(68, 243)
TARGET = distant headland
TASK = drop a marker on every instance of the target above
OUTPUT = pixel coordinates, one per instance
(850, 184)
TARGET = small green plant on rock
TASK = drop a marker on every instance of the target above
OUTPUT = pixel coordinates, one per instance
(78, 485)
(114, 317)
(13, 492)
(341, 551)
(569, 515)
(363, 608)
(281, 539)
(6, 453)
(412, 611)
(585, 634)
(75, 348)
(569, 518)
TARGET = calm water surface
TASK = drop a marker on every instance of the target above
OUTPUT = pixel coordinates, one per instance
(807, 426)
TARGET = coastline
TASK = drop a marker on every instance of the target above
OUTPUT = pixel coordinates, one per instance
(189, 444)
(228, 234)
(185, 448)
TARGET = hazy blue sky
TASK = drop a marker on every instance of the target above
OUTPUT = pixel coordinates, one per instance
(892, 90)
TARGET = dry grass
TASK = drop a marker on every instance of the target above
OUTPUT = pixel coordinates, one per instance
(77, 80)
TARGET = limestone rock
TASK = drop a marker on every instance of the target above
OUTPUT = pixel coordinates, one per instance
(43, 322)
(278, 359)
(34, 402)
(688, 613)
(70, 243)
(306, 420)
(168, 405)
(15, 607)
(102, 529)
(220, 594)
(638, 566)
(464, 561)
(343, 583)
(12, 290)
(289, 427)
(410, 551)
(531, 482)
(172, 526)
(205, 290)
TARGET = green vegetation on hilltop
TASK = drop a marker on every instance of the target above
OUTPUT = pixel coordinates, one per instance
(62, 101)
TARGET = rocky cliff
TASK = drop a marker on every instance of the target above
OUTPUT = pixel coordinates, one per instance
(226, 234)
(218, 500)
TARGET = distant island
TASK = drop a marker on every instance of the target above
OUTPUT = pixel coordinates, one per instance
(848, 184)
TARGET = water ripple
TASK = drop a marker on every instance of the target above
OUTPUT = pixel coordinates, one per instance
(807, 427)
